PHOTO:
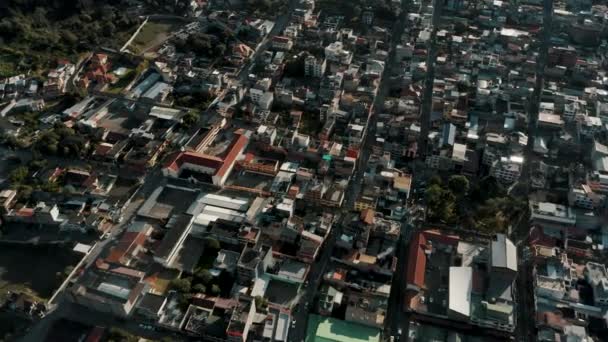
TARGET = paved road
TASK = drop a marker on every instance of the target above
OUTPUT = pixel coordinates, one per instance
(525, 303)
(427, 97)
(279, 25)
(318, 268)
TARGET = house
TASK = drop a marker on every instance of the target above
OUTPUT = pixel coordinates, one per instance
(282, 43)
(41, 214)
(261, 98)
(8, 197)
(336, 53)
(108, 288)
(252, 263)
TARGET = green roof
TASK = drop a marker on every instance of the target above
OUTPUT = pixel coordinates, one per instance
(326, 329)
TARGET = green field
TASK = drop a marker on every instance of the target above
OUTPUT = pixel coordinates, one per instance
(151, 34)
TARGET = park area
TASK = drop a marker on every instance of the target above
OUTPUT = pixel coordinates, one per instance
(153, 34)
(34, 270)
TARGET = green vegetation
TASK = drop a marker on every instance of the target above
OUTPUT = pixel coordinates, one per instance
(182, 285)
(191, 118)
(210, 45)
(60, 140)
(34, 34)
(352, 10)
(261, 303)
(311, 123)
(195, 100)
(120, 335)
(485, 206)
(266, 8)
(18, 175)
(177, 7)
(212, 244)
(202, 281)
(33, 269)
(150, 33)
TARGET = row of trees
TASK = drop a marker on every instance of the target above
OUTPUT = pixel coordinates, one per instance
(60, 140)
(202, 45)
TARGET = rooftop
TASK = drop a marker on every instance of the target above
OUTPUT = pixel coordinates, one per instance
(325, 329)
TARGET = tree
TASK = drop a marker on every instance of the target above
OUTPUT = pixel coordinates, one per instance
(215, 290)
(200, 288)
(435, 180)
(432, 195)
(459, 185)
(119, 335)
(204, 276)
(212, 243)
(260, 303)
(18, 175)
(182, 285)
(69, 38)
(190, 119)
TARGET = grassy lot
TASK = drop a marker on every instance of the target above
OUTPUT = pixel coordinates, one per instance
(35, 270)
(151, 34)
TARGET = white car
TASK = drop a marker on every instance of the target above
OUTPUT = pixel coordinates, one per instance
(293, 324)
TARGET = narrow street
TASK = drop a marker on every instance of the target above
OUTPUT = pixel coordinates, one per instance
(525, 300)
(429, 81)
(394, 318)
(300, 314)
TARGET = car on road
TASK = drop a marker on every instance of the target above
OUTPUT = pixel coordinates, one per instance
(293, 324)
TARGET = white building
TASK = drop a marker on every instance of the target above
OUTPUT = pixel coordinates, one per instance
(261, 98)
(460, 287)
(584, 197)
(597, 277)
(507, 170)
(335, 52)
(314, 67)
(548, 214)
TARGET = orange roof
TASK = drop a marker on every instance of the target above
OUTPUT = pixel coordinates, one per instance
(175, 163)
(352, 153)
(367, 216)
(128, 242)
(103, 148)
(96, 334)
(339, 275)
(237, 147)
(417, 261)
(25, 212)
(436, 235)
(281, 39)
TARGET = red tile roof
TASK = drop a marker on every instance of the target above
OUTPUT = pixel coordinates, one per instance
(435, 235)
(96, 334)
(128, 242)
(221, 165)
(180, 158)
(417, 261)
(280, 39)
(234, 150)
(352, 153)
(103, 149)
(25, 212)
